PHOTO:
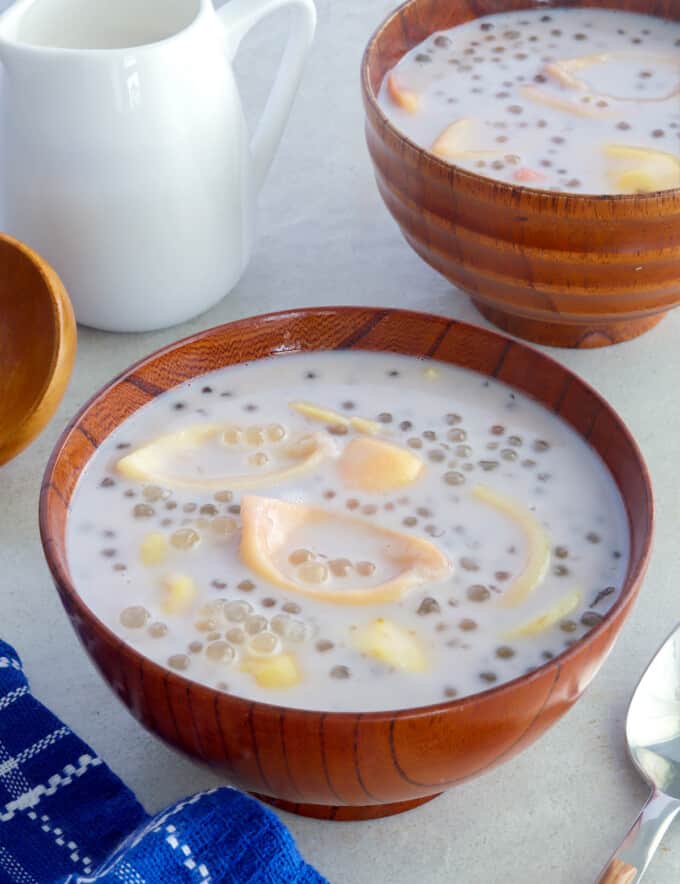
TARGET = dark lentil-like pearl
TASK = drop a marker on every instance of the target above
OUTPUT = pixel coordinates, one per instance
(568, 626)
(422, 58)
(414, 443)
(489, 677)
(488, 465)
(592, 537)
(340, 672)
(329, 494)
(623, 126)
(208, 509)
(478, 593)
(348, 405)
(385, 417)
(547, 655)
(467, 625)
(218, 584)
(352, 504)
(107, 482)
(453, 419)
(268, 602)
(430, 435)
(502, 576)
(143, 511)
(338, 430)
(235, 509)
(119, 566)
(393, 373)
(406, 426)
(591, 618)
(246, 586)
(410, 521)
(123, 445)
(442, 41)
(504, 652)
(469, 564)
(428, 606)
(324, 645)
(456, 435)
(434, 531)
(528, 463)
(450, 693)
(560, 570)
(108, 553)
(436, 456)
(509, 454)
(561, 552)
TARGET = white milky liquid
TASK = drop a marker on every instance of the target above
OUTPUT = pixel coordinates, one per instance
(486, 69)
(563, 484)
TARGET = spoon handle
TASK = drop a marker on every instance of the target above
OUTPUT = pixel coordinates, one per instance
(630, 861)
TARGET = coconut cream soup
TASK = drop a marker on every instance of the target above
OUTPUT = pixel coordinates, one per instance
(574, 100)
(370, 532)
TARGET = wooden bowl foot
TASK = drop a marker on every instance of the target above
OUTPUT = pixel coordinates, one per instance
(345, 813)
(581, 335)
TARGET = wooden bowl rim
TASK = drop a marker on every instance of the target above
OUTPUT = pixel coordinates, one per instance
(63, 580)
(535, 194)
(62, 356)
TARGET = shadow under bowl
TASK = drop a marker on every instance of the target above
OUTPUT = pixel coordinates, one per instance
(562, 269)
(336, 765)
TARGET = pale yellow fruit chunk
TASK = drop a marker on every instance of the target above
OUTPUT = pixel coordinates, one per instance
(537, 540)
(641, 169)
(375, 465)
(402, 97)
(563, 71)
(559, 611)
(280, 671)
(318, 413)
(363, 425)
(154, 462)
(391, 644)
(268, 524)
(153, 549)
(179, 593)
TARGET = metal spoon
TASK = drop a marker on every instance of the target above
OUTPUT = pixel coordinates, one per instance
(653, 735)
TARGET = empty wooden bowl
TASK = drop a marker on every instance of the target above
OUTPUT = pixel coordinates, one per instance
(329, 764)
(37, 345)
(562, 269)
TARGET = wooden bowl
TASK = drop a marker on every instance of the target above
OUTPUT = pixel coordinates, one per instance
(562, 269)
(37, 345)
(328, 764)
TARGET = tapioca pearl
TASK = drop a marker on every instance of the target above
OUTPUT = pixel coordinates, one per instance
(208, 625)
(502, 94)
(434, 531)
(208, 509)
(329, 494)
(658, 133)
(337, 429)
(468, 467)
(224, 527)
(291, 607)
(189, 507)
(179, 406)
(501, 139)
(409, 521)
(158, 630)
(237, 611)
(143, 511)
(441, 627)
(218, 584)
(623, 126)
(541, 124)
(340, 672)
(488, 676)
(250, 407)
(255, 623)
(313, 572)
(436, 456)
(234, 509)
(185, 538)
(220, 652)
(467, 563)
(300, 556)
(365, 569)
(389, 506)
(504, 652)
(195, 647)
(489, 465)
(259, 459)
(119, 566)
(502, 576)
(109, 553)
(171, 505)
(427, 606)
(324, 645)
(457, 434)
(616, 554)
(179, 661)
(429, 435)
(636, 40)
(593, 537)
(352, 504)
(235, 635)
(528, 463)
(268, 602)
(568, 625)
(369, 509)
(450, 693)
(422, 58)
(166, 523)
(467, 625)
(121, 446)
(340, 567)
(591, 619)
(478, 593)
(134, 617)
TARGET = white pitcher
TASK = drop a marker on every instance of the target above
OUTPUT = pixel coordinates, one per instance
(125, 159)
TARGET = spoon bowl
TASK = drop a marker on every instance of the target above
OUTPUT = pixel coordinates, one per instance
(37, 345)
(653, 735)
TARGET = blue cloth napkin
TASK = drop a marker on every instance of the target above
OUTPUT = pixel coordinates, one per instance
(66, 818)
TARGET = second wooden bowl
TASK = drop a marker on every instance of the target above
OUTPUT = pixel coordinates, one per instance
(328, 764)
(567, 270)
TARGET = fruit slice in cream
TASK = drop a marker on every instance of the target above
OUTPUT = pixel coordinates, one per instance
(210, 456)
(335, 558)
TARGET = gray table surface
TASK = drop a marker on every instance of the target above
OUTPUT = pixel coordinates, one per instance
(555, 813)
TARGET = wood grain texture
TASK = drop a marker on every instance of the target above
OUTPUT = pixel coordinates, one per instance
(566, 270)
(342, 765)
(37, 345)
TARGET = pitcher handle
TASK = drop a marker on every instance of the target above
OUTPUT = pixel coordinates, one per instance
(238, 17)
